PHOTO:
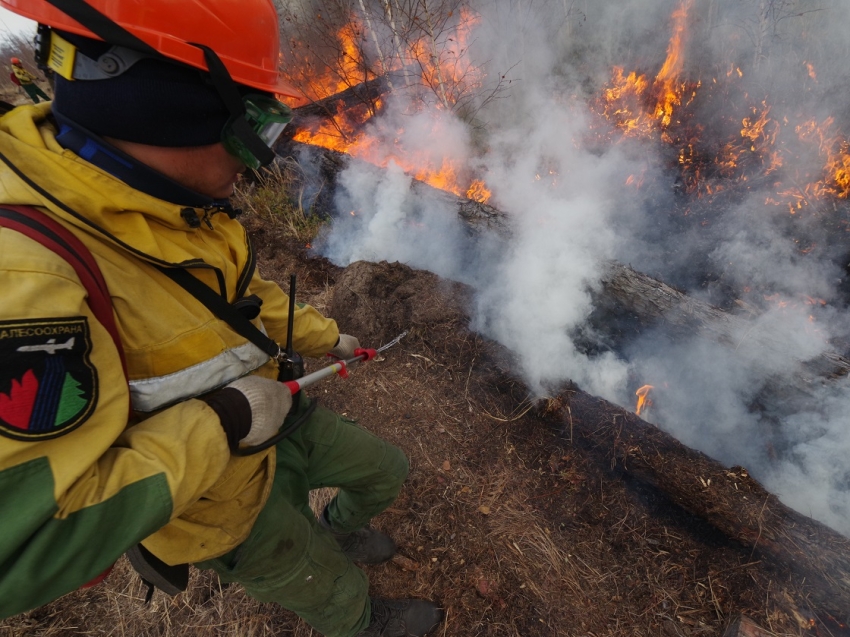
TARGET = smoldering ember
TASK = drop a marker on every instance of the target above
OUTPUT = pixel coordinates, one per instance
(618, 237)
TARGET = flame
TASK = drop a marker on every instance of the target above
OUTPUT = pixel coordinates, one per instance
(638, 108)
(756, 129)
(636, 180)
(666, 81)
(644, 402)
(835, 151)
(478, 192)
(637, 105)
(810, 68)
(447, 72)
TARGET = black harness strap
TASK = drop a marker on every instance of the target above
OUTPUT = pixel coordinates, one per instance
(222, 309)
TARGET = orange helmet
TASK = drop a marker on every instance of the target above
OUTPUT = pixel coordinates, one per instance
(16, 61)
(243, 33)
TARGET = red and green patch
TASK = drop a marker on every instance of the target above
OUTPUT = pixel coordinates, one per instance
(48, 385)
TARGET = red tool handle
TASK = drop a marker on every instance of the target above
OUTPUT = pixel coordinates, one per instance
(292, 385)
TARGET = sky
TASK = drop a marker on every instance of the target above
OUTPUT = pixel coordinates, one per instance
(13, 23)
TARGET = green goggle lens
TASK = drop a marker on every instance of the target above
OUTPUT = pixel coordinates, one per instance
(267, 118)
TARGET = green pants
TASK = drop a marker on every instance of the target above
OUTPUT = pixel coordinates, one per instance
(288, 558)
(35, 92)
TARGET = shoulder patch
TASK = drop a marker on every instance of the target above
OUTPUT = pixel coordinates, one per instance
(48, 385)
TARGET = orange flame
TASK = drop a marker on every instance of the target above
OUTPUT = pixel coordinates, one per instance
(644, 402)
(626, 99)
(640, 108)
(478, 192)
(666, 81)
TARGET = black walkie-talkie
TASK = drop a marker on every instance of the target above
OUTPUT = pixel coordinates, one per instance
(291, 364)
(291, 368)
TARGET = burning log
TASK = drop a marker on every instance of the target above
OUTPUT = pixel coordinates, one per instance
(321, 166)
(729, 499)
(365, 95)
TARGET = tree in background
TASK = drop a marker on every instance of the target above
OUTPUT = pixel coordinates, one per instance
(418, 45)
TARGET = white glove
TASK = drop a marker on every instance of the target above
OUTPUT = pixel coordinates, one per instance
(270, 402)
(345, 347)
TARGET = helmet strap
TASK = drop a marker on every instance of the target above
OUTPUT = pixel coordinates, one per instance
(103, 26)
(229, 93)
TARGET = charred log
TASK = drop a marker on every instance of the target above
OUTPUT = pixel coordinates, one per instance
(729, 499)
(362, 97)
(321, 166)
(629, 302)
(363, 94)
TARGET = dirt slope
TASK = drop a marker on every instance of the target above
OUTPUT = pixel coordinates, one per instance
(503, 518)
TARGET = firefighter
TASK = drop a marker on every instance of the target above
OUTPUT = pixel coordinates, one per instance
(152, 122)
(26, 81)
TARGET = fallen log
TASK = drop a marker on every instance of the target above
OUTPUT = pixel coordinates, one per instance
(626, 301)
(320, 167)
(728, 499)
(648, 301)
(363, 94)
(312, 115)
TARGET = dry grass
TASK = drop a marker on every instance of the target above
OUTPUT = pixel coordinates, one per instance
(275, 195)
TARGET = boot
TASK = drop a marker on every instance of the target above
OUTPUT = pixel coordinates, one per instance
(366, 545)
(402, 618)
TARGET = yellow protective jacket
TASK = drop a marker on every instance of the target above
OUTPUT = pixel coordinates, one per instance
(24, 76)
(80, 481)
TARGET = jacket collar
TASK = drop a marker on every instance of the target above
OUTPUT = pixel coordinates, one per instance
(37, 171)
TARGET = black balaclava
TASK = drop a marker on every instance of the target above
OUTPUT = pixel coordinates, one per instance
(154, 102)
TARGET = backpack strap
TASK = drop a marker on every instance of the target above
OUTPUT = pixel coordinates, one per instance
(55, 237)
(36, 225)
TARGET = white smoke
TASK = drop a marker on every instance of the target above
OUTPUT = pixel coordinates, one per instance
(571, 210)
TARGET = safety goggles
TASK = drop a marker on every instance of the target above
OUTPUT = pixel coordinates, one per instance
(266, 117)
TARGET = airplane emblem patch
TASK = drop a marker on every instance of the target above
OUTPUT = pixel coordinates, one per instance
(48, 385)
